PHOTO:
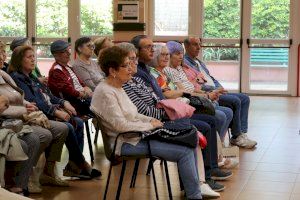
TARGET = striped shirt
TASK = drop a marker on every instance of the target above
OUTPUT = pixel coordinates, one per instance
(177, 75)
(143, 98)
(75, 80)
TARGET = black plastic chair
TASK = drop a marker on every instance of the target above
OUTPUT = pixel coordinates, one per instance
(88, 135)
(110, 155)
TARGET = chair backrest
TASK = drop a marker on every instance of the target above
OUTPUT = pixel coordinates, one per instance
(108, 146)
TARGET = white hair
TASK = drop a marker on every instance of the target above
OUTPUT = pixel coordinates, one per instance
(159, 47)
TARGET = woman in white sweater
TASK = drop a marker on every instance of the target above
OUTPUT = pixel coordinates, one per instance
(119, 114)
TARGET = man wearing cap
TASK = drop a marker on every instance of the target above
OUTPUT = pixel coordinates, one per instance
(63, 82)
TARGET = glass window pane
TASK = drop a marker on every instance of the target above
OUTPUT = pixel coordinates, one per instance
(171, 17)
(269, 69)
(221, 19)
(96, 17)
(44, 58)
(224, 65)
(270, 19)
(13, 18)
(52, 18)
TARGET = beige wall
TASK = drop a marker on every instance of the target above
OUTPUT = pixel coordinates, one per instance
(127, 35)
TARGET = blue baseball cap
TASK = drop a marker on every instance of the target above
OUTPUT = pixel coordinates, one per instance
(58, 46)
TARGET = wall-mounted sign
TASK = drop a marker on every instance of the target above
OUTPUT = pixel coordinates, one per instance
(128, 11)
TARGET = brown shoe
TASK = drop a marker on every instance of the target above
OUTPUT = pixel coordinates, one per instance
(54, 181)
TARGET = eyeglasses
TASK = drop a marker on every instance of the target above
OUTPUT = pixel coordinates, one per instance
(148, 47)
(164, 54)
(133, 59)
(90, 46)
(126, 65)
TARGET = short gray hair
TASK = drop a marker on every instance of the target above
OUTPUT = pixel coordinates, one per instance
(127, 46)
(156, 55)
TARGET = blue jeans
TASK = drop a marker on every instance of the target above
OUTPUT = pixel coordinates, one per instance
(239, 103)
(74, 141)
(224, 116)
(30, 144)
(78, 131)
(185, 157)
(206, 124)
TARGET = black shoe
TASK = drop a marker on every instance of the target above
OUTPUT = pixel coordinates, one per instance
(25, 192)
(217, 187)
(94, 173)
(219, 175)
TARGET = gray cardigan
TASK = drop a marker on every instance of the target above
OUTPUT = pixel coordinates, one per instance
(90, 74)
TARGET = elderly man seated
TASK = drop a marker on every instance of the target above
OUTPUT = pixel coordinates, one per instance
(238, 102)
(64, 83)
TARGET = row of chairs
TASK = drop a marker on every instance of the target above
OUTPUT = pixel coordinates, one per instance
(115, 160)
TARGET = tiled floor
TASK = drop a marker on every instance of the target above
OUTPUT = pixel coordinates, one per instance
(270, 172)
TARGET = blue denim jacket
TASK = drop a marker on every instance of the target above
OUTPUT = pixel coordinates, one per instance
(34, 89)
(190, 62)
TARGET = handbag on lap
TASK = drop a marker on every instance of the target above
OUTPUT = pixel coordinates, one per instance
(180, 132)
(202, 105)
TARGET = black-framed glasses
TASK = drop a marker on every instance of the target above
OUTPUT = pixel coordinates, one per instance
(126, 65)
(148, 47)
(90, 46)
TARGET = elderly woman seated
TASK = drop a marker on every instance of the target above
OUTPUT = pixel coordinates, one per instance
(174, 71)
(119, 114)
(21, 66)
(102, 43)
(30, 142)
(19, 167)
(85, 68)
(145, 100)
(21, 41)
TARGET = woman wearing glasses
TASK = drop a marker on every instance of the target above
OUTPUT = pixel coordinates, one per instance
(86, 68)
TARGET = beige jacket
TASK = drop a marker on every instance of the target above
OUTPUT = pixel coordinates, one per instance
(15, 95)
(119, 114)
(10, 148)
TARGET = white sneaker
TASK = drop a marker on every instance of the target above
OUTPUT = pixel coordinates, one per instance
(243, 141)
(206, 191)
(229, 163)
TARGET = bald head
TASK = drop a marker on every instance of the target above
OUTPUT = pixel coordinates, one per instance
(192, 46)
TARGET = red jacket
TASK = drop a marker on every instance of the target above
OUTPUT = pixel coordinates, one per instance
(61, 83)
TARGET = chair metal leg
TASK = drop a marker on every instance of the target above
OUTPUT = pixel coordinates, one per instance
(135, 171)
(168, 179)
(121, 180)
(149, 168)
(89, 140)
(180, 182)
(96, 136)
(154, 180)
(152, 167)
(107, 182)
